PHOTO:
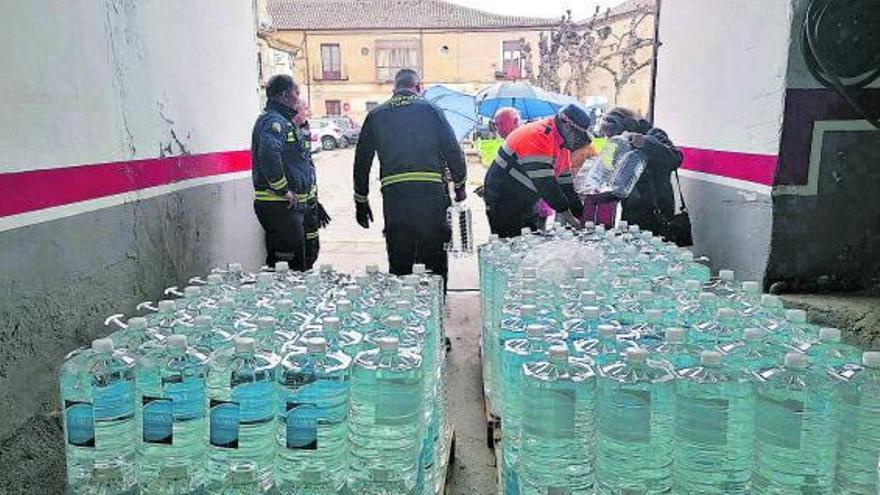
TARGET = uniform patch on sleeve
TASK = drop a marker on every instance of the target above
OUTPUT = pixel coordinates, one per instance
(276, 127)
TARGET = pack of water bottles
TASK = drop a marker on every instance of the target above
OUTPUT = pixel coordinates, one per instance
(642, 374)
(274, 382)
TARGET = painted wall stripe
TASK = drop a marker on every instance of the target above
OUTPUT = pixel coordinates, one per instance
(35, 190)
(727, 182)
(748, 167)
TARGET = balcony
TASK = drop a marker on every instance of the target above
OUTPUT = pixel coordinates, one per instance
(321, 75)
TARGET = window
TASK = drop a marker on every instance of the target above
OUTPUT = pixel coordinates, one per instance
(393, 55)
(371, 105)
(334, 107)
(331, 62)
(512, 59)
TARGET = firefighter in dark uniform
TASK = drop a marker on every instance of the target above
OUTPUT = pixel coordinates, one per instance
(314, 215)
(283, 177)
(416, 148)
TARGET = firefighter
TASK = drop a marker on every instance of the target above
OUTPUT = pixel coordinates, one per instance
(535, 164)
(283, 176)
(314, 215)
(416, 147)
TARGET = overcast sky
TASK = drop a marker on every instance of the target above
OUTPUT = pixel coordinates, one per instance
(539, 8)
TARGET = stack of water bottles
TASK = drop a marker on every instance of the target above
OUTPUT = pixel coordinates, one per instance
(275, 382)
(644, 375)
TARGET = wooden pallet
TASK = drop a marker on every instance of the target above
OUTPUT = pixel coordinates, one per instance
(493, 420)
(449, 462)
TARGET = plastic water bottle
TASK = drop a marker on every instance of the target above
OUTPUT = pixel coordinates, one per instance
(692, 270)
(724, 286)
(208, 338)
(634, 413)
(830, 352)
(97, 393)
(171, 417)
(242, 479)
(312, 427)
(860, 430)
(677, 350)
(714, 421)
(795, 442)
(796, 330)
(345, 340)
(606, 348)
(385, 424)
(756, 354)
(242, 402)
(557, 425)
(134, 337)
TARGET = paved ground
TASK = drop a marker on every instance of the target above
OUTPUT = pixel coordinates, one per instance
(350, 248)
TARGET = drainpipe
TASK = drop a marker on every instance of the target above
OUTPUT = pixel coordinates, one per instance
(655, 50)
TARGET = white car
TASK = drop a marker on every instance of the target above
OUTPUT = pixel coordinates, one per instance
(329, 134)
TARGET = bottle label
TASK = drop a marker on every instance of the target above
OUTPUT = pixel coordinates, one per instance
(224, 423)
(780, 422)
(188, 398)
(701, 420)
(158, 420)
(630, 419)
(257, 401)
(79, 418)
(302, 425)
(115, 401)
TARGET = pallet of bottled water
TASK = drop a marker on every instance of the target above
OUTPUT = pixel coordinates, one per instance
(630, 370)
(274, 382)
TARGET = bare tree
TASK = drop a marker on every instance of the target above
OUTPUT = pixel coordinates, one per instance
(624, 61)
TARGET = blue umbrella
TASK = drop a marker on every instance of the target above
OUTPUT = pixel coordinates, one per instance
(532, 102)
(458, 108)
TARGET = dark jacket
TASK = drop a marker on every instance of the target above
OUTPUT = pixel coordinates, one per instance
(281, 156)
(414, 142)
(662, 158)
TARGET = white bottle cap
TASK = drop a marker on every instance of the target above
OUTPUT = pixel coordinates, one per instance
(797, 360)
(674, 335)
(372, 269)
(316, 344)
(600, 229)
(634, 229)
(244, 344)
(419, 269)
(326, 268)
(558, 352)
(167, 306)
(388, 343)
(710, 358)
(403, 306)
(285, 305)
(636, 354)
(394, 321)
(227, 302)
(202, 321)
(592, 312)
(214, 279)
(654, 316)
(343, 306)
(726, 275)
(282, 266)
(769, 300)
(192, 292)
(796, 315)
(607, 331)
(871, 359)
(266, 323)
(330, 323)
(645, 295)
(265, 277)
(525, 231)
(102, 345)
(137, 323)
(686, 256)
(299, 290)
(234, 267)
(411, 280)
(708, 297)
(529, 272)
(751, 287)
(753, 334)
(623, 225)
(588, 296)
(176, 341)
(726, 314)
(829, 334)
(692, 285)
(353, 291)
(535, 331)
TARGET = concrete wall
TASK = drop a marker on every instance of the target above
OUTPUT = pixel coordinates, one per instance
(124, 170)
(720, 92)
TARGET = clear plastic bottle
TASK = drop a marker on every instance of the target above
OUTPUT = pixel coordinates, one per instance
(242, 402)
(97, 393)
(338, 339)
(795, 441)
(134, 337)
(385, 424)
(724, 328)
(170, 415)
(796, 331)
(714, 421)
(755, 354)
(677, 350)
(831, 352)
(606, 348)
(634, 416)
(860, 430)
(208, 338)
(242, 479)
(312, 427)
(724, 286)
(558, 448)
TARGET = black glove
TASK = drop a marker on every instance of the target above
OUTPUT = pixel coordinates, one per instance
(460, 194)
(363, 214)
(323, 218)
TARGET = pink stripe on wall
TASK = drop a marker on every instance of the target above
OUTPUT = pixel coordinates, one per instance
(32, 190)
(742, 166)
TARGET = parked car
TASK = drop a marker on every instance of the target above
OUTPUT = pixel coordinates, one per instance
(484, 131)
(329, 134)
(349, 128)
